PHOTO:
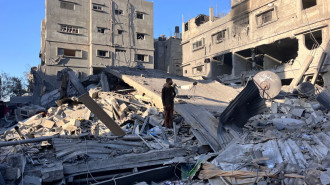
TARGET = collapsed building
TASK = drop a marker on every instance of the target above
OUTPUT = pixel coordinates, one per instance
(88, 35)
(281, 36)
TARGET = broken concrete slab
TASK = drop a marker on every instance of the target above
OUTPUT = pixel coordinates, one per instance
(52, 172)
(31, 180)
(298, 111)
(325, 177)
(288, 123)
(101, 114)
(47, 123)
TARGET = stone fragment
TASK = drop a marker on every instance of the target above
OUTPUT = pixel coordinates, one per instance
(274, 107)
(288, 123)
(325, 177)
(52, 173)
(31, 180)
(298, 111)
(313, 177)
(47, 123)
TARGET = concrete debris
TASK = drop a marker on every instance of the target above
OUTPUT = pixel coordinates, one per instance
(110, 131)
(287, 123)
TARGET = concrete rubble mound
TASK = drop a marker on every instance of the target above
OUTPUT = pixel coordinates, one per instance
(108, 129)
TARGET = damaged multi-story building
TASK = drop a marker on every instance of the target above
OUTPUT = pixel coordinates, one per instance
(281, 36)
(168, 53)
(88, 35)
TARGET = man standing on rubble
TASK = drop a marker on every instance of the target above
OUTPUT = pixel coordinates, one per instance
(3, 109)
(168, 94)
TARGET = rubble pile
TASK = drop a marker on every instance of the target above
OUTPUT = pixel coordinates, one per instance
(75, 141)
(289, 144)
(103, 131)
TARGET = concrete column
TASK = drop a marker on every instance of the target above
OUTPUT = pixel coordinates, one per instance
(211, 14)
(299, 11)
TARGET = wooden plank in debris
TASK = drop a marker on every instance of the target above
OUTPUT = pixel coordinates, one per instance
(127, 161)
(101, 114)
(76, 83)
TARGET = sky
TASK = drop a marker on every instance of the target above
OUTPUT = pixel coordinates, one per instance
(20, 29)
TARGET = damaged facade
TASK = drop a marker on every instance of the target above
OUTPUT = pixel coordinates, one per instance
(255, 36)
(88, 35)
(168, 53)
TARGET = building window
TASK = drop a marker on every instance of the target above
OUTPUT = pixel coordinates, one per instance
(140, 36)
(97, 7)
(313, 40)
(219, 37)
(120, 32)
(139, 15)
(67, 5)
(266, 17)
(102, 53)
(69, 52)
(118, 12)
(69, 29)
(120, 50)
(308, 3)
(142, 58)
(198, 44)
(186, 27)
(100, 30)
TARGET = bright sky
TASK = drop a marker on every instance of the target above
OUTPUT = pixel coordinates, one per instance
(20, 29)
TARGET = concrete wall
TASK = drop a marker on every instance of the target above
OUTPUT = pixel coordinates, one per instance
(168, 55)
(243, 31)
(89, 40)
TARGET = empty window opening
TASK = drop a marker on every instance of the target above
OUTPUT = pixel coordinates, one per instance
(313, 40)
(120, 50)
(198, 69)
(201, 19)
(120, 32)
(140, 36)
(118, 12)
(139, 15)
(198, 44)
(69, 52)
(67, 5)
(241, 26)
(287, 81)
(97, 70)
(69, 29)
(308, 3)
(142, 58)
(219, 37)
(100, 30)
(102, 53)
(222, 64)
(186, 27)
(97, 7)
(266, 17)
(185, 71)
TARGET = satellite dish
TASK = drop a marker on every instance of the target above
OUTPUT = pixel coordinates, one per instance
(268, 83)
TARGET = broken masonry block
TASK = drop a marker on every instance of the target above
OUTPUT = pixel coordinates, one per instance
(101, 114)
(52, 173)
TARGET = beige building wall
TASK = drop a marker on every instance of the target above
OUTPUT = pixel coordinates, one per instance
(88, 35)
(277, 30)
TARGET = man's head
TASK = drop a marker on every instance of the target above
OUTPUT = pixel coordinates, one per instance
(169, 81)
(1, 102)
